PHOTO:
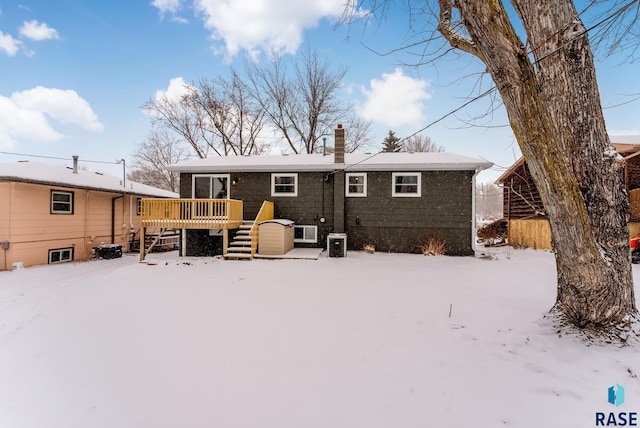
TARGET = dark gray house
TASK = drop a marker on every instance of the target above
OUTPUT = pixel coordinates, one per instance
(394, 201)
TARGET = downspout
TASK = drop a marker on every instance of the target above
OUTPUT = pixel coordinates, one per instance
(473, 209)
(113, 217)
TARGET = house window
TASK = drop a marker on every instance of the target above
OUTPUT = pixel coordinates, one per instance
(207, 186)
(138, 206)
(61, 202)
(60, 255)
(406, 184)
(284, 184)
(356, 184)
(305, 234)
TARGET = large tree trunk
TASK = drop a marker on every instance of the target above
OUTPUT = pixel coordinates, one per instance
(554, 110)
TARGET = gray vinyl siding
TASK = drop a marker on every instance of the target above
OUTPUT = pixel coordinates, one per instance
(392, 224)
(402, 224)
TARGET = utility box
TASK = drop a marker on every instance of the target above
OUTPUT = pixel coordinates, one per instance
(108, 251)
(337, 244)
(275, 237)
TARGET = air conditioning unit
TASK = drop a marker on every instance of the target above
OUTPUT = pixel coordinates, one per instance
(108, 251)
(337, 245)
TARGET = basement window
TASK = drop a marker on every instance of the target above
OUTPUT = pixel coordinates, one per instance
(60, 255)
(305, 234)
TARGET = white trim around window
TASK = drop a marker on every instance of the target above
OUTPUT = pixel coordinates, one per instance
(305, 234)
(406, 185)
(212, 189)
(356, 184)
(61, 202)
(284, 184)
(60, 255)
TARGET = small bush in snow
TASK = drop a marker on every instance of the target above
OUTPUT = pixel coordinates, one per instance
(494, 233)
(433, 247)
(369, 248)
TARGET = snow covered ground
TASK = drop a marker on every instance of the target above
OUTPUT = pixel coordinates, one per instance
(382, 340)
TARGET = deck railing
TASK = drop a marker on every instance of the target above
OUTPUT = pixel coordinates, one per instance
(265, 213)
(191, 213)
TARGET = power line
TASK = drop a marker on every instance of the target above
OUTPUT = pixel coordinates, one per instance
(59, 158)
(493, 88)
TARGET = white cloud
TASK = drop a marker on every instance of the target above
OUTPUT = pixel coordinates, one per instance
(395, 100)
(65, 106)
(35, 30)
(26, 114)
(171, 7)
(167, 6)
(20, 123)
(263, 25)
(9, 45)
(176, 89)
(273, 26)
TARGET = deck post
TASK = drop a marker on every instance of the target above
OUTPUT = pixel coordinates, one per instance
(225, 241)
(142, 241)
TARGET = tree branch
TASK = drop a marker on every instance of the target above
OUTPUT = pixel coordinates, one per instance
(455, 38)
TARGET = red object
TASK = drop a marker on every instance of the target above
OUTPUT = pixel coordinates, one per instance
(339, 126)
(635, 243)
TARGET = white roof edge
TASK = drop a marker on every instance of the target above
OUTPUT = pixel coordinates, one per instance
(61, 176)
(332, 167)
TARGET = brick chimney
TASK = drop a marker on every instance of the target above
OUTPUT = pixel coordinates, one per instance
(338, 153)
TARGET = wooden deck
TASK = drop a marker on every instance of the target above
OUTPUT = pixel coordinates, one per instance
(222, 214)
(191, 213)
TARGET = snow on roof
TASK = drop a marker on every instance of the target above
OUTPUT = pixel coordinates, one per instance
(626, 145)
(36, 172)
(318, 162)
(625, 139)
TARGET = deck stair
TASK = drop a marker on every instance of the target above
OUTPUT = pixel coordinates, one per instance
(165, 239)
(245, 242)
(242, 245)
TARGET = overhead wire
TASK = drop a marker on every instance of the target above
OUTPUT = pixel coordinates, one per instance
(60, 158)
(493, 88)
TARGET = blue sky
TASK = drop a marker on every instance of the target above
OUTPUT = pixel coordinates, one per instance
(75, 73)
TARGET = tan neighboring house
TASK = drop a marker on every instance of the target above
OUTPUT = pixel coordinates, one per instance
(55, 214)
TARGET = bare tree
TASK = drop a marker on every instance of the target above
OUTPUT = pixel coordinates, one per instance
(548, 86)
(232, 115)
(176, 115)
(303, 103)
(489, 201)
(420, 143)
(158, 150)
(213, 116)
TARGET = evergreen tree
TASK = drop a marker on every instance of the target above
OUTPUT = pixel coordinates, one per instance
(391, 144)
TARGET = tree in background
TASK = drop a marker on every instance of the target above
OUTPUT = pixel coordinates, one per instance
(303, 103)
(158, 150)
(232, 115)
(213, 116)
(489, 200)
(296, 103)
(548, 86)
(420, 143)
(391, 143)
